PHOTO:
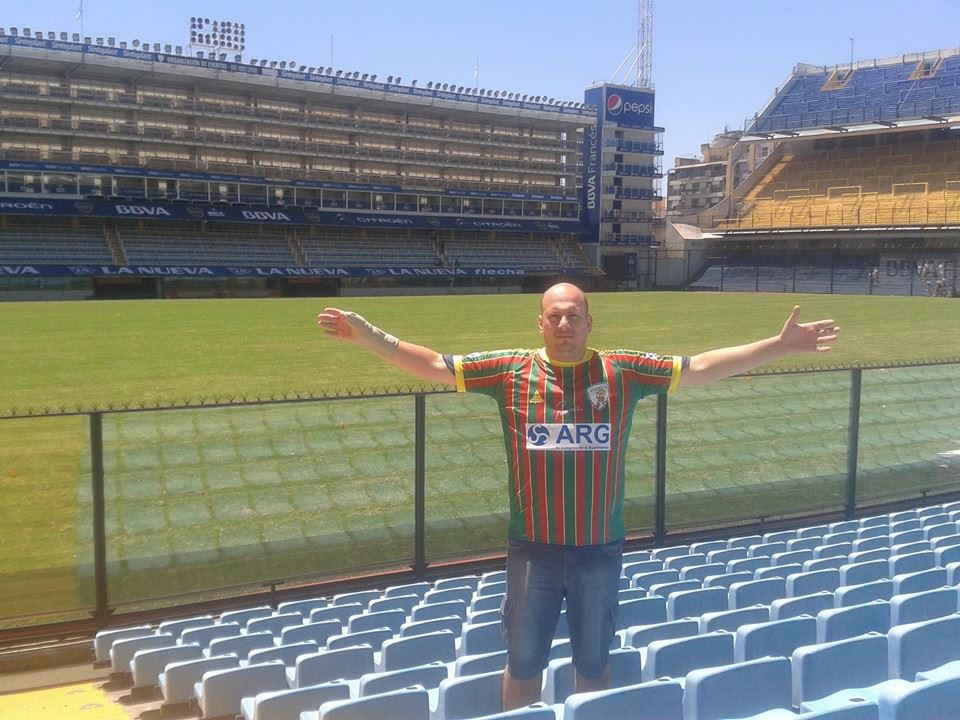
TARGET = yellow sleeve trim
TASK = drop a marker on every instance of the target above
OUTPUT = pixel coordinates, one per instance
(458, 372)
(675, 375)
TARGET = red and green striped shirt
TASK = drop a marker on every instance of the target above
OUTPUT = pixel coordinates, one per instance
(565, 427)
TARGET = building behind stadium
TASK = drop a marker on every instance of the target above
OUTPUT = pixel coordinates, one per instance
(148, 172)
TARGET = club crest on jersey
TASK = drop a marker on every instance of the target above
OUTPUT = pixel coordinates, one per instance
(599, 395)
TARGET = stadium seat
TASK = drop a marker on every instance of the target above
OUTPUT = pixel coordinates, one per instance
(559, 680)
(406, 704)
(919, 581)
(728, 579)
(921, 700)
(464, 594)
(730, 620)
(303, 607)
(849, 595)
(846, 622)
(406, 603)
(479, 664)
(693, 603)
(461, 581)
(318, 632)
(756, 592)
(639, 636)
(807, 583)
(774, 638)
(679, 562)
(404, 652)
(373, 638)
(657, 577)
(341, 613)
(669, 552)
(146, 665)
(781, 571)
(239, 645)
(630, 569)
(274, 624)
(484, 602)
(923, 646)
(363, 597)
(737, 690)
(176, 627)
(863, 572)
(417, 588)
(427, 676)
(924, 605)
(287, 654)
(702, 572)
(784, 608)
(438, 610)
(325, 665)
(123, 650)
(219, 692)
(420, 627)
(391, 619)
(912, 562)
(656, 700)
(289, 703)
(242, 617)
(469, 697)
(822, 669)
(537, 711)
(641, 611)
(482, 638)
(675, 658)
(178, 678)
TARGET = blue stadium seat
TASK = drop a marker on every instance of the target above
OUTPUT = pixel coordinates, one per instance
(784, 608)
(325, 665)
(756, 592)
(469, 697)
(822, 669)
(438, 610)
(924, 605)
(919, 581)
(656, 700)
(274, 624)
(482, 638)
(406, 704)
(219, 692)
(303, 607)
(866, 592)
(675, 658)
(559, 677)
(911, 562)
(493, 588)
(287, 654)
(176, 627)
(363, 597)
(847, 622)
(730, 620)
(318, 632)
(669, 552)
(417, 588)
(775, 638)
(427, 675)
(374, 638)
(921, 700)
(342, 613)
(391, 619)
(404, 652)
(123, 650)
(242, 617)
(479, 664)
(406, 603)
(767, 549)
(693, 603)
(640, 636)
(484, 602)
(792, 557)
(737, 690)
(646, 579)
(779, 536)
(240, 645)
(420, 627)
(807, 583)
(461, 581)
(178, 679)
(455, 593)
(289, 703)
(725, 556)
(642, 611)
(702, 572)
(146, 665)
(923, 646)
(668, 588)
(537, 711)
(780, 571)
(864, 572)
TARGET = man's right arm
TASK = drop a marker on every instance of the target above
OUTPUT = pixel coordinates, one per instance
(417, 360)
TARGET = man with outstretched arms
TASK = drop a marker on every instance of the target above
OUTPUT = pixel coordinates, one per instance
(566, 411)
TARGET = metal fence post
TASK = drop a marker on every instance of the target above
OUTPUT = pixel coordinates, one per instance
(419, 502)
(660, 518)
(102, 609)
(853, 442)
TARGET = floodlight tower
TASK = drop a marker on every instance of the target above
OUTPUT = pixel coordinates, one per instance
(644, 43)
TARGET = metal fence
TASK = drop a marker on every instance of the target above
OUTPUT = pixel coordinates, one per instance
(113, 512)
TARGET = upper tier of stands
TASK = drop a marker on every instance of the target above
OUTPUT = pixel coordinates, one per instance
(905, 178)
(30, 242)
(878, 90)
(773, 626)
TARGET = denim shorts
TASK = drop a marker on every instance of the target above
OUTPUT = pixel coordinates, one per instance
(539, 577)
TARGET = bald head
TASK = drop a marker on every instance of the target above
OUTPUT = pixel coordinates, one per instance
(565, 322)
(565, 292)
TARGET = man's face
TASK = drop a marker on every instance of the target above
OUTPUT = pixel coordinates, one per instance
(564, 325)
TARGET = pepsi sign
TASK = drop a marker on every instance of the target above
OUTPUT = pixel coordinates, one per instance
(628, 107)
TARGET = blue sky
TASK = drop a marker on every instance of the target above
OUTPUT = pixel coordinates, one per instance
(714, 63)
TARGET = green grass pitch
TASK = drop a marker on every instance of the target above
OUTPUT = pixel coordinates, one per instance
(216, 497)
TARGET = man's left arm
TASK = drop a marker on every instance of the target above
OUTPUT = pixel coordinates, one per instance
(793, 338)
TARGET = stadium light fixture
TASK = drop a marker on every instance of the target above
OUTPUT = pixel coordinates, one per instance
(53, 36)
(263, 63)
(373, 78)
(365, 76)
(273, 63)
(13, 31)
(429, 84)
(414, 83)
(75, 37)
(136, 43)
(283, 64)
(63, 36)
(389, 78)
(310, 71)
(123, 44)
(398, 79)
(26, 32)
(339, 73)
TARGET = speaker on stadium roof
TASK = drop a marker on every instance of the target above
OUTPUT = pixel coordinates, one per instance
(283, 64)
(373, 78)
(263, 63)
(75, 37)
(113, 41)
(365, 76)
(200, 54)
(26, 31)
(273, 63)
(156, 47)
(311, 71)
(123, 45)
(339, 73)
(53, 36)
(398, 79)
(136, 43)
(223, 56)
(413, 82)
(429, 84)
(38, 35)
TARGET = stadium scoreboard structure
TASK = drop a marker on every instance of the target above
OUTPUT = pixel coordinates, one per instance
(143, 142)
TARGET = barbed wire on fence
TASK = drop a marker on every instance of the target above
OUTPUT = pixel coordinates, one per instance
(398, 390)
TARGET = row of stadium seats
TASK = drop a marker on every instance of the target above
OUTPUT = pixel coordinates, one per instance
(848, 279)
(884, 91)
(845, 605)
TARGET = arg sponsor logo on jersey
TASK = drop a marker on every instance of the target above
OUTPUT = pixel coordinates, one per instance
(568, 436)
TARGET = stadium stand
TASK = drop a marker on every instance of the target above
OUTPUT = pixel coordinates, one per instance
(888, 653)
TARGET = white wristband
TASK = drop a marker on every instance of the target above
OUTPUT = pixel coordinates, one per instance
(376, 335)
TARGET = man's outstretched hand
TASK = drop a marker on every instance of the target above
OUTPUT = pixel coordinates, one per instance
(340, 324)
(807, 337)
